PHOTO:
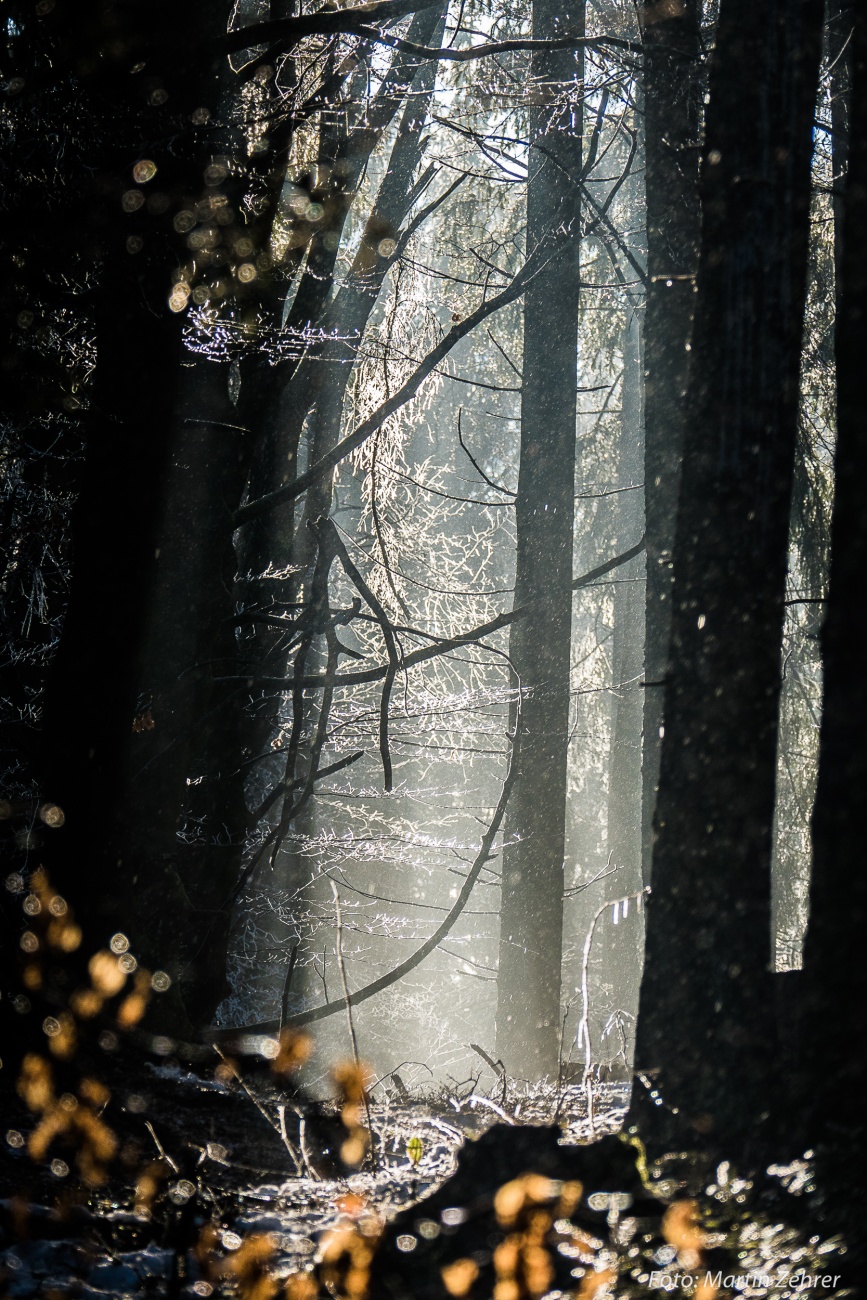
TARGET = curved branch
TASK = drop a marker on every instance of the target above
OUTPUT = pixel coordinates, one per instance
(377, 418)
(388, 637)
(320, 23)
(490, 47)
(416, 958)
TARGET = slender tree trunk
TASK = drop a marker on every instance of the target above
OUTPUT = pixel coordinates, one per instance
(625, 771)
(835, 975)
(705, 1029)
(531, 918)
(672, 91)
(623, 943)
(313, 392)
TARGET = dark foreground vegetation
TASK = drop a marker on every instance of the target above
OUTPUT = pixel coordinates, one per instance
(433, 448)
(129, 1173)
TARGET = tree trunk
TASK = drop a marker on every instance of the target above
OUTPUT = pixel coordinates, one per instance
(840, 18)
(184, 811)
(705, 1029)
(91, 695)
(531, 918)
(623, 943)
(672, 90)
(834, 970)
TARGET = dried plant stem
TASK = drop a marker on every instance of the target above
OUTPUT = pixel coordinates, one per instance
(278, 1127)
(584, 1025)
(341, 966)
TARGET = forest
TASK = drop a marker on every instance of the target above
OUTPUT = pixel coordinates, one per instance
(431, 531)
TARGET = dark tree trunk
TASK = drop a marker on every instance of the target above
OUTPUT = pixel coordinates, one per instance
(705, 1029)
(531, 918)
(184, 811)
(131, 429)
(672, 93)
(840, 17)
(835, 975)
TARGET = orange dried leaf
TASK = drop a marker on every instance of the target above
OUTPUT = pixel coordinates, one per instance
(106, 973)
(354, 1149)
(36, 1083)
(55, 1121)
(351, 1204)
(295, 1048)
(538, 1270)
(513, 1197)
(86, 1003)
(63, 1043)
(352, 1081)
(64, 935)
(91, 1090)
(131, 1010)
(301, 1286)
(507, 1289)
(146, 1189)
(507, 1257)
(570, 1198)
(682, 1228)
(459, 1277)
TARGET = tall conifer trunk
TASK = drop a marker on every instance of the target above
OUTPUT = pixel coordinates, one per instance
(835, 976)
(672, 88)
(531, 920)
(705, 1026)
(131, 427)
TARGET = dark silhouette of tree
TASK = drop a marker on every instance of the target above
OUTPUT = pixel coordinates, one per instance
(833, 1082)
(154, 142)
(147, 758)
(672, 86)
(705, 1034)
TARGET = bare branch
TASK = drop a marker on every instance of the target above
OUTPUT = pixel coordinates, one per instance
(404, 968)
(325, 21)
(493, 47)
(405, 393)
(447, 644)
(388, 637)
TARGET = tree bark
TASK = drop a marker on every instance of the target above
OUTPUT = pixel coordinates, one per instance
(91, 695)
(705, 1032)
(835, 976)
(623, 944)
(672, 115)
(531, 917)
(840, 18)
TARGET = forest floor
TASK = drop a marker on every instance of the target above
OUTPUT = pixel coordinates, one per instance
(215, 1194)
(234, 1156)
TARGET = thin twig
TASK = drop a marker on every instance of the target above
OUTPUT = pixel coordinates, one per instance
(159, 1146)
(425, 949)
(342, 968)
(279, 1128)
(352, 1038)
(584, 1025)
